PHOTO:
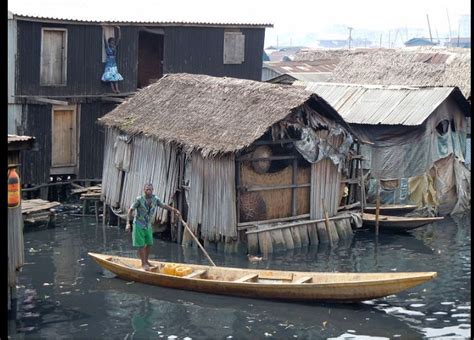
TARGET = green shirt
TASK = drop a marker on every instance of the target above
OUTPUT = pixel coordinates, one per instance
(145, 212)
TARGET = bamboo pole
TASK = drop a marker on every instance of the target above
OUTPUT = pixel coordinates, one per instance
(197, 241)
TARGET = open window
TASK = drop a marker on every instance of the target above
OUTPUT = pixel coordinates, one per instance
(234, 47)
(107, 32)
(53, 68)
(443, 127)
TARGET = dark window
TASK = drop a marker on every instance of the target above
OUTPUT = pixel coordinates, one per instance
(442, 127)
(453, 125)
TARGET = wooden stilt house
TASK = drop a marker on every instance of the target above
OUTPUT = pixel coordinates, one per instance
(246, 162)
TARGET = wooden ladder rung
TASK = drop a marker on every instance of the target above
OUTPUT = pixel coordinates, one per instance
(246, 278)
(304, 279)
(196, 273)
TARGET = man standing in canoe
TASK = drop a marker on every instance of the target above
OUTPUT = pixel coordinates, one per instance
(142, 236)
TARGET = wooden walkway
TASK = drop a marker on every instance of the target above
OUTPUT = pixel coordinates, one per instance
(36, 210)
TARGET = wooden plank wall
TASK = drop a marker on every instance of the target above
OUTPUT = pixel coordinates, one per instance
(212, 197)
(16, 251)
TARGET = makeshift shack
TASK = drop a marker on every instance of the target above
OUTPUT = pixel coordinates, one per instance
(232, 155)
(419, 141)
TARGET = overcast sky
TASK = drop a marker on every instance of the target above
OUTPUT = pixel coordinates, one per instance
(290, 18)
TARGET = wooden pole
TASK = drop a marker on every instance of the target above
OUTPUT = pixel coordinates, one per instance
(197, 241)
(326, 220)
(377, 208)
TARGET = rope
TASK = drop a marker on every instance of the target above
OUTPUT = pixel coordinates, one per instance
(119, 213)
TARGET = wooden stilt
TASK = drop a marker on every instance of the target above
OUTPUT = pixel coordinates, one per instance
(377, 209)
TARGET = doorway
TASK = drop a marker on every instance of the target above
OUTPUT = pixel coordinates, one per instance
(63, 140)
(150, 56)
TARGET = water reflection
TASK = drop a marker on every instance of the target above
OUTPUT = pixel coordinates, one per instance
(63, 293)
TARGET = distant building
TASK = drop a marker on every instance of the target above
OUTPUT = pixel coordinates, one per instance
(283, 53)
(287, 72)
(459, 42)
(419, 42)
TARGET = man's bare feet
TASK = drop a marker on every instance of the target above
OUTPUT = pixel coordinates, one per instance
(146, 267)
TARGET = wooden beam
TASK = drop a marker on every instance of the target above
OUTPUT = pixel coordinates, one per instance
(196, 273)
(271, 158)
(296, 224)
(273, 187)
(113, 99)
(245, 225)
(121, 94)
(246, 278)
(49, 101)
(304, 279)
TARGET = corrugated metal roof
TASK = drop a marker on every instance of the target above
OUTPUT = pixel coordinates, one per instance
(390, 105)
(149, 14)
(16, 138)
(290, 67)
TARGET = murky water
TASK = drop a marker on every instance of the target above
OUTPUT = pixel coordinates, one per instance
(62, 293)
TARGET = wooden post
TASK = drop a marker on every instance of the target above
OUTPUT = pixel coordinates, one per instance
(377, 208)
(326, 220)
(237, 185)
(181, 197)
(96, 207)
(104, 212)
(293, 190)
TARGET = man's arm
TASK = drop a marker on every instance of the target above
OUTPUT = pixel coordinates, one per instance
(129, 217)
(170, 208)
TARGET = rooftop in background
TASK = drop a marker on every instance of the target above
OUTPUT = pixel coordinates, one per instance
(411, 66)
(16, 143)
(16, 138)
(388, 105)
(282, 67)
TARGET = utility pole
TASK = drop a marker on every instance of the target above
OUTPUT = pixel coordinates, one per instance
(350, 35)
(429, 27)
(388, 38)
(380, 43)
(449, 25)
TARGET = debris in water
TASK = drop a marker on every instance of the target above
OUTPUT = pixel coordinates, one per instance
(131, 282)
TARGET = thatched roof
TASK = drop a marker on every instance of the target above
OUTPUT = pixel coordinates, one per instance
(213, 115)
(414, 66)
(405, 67)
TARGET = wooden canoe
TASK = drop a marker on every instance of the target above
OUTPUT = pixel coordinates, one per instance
(398, 223)
(268, 284)
(392, 209)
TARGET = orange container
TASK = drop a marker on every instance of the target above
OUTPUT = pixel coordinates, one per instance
(183, 271)
(14, 190)
(169, 268)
